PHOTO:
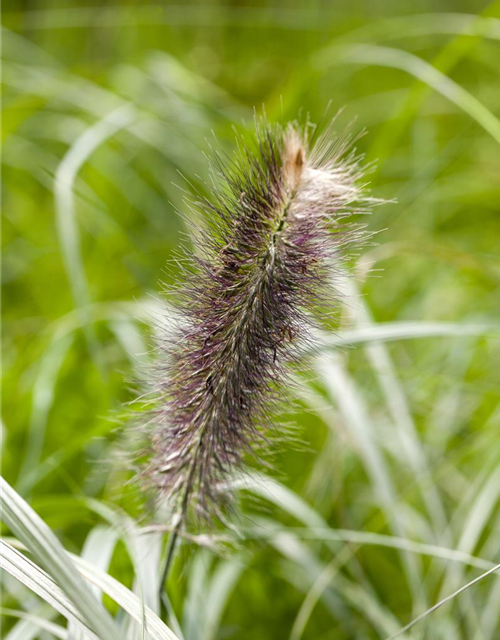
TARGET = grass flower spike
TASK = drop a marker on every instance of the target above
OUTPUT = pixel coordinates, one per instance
(261, 273)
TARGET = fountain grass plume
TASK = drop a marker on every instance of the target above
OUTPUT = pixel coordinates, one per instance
(261, 272)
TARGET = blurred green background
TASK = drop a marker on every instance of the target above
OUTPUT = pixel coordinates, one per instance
(106, 108)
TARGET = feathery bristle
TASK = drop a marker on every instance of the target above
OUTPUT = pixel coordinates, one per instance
(246, 306)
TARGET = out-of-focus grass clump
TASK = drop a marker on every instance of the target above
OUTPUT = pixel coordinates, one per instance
(394, 501)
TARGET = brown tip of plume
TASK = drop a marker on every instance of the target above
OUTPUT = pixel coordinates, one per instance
(294, 159)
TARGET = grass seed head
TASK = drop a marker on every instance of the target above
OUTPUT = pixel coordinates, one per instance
(277, 228)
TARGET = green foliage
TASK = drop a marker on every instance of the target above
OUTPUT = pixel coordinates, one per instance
(391, 501)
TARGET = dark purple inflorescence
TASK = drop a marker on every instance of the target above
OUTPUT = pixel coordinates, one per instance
(276, 229)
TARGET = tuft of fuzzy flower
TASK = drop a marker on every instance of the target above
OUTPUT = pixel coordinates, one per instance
(276, 230)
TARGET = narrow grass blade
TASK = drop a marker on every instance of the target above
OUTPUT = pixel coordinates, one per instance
(30, 624)
(444, 601)
(49, 553)
(275, 492)
(43, 396)
(67, 227)
(154, 627)
(357, 597)
(361, 538)
(460, 24)
(394, 331)
(144, 550)
(398, 59)
(219, 590)
(98, 550)
(15, 563)
(399, 410)
(345, 394)
(194, 610)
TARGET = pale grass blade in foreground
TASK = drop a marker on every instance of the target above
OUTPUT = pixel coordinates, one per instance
(152, 626)
(48, 551)
(29, 624)
(98, 550)
(132, 604)
(15, 563)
